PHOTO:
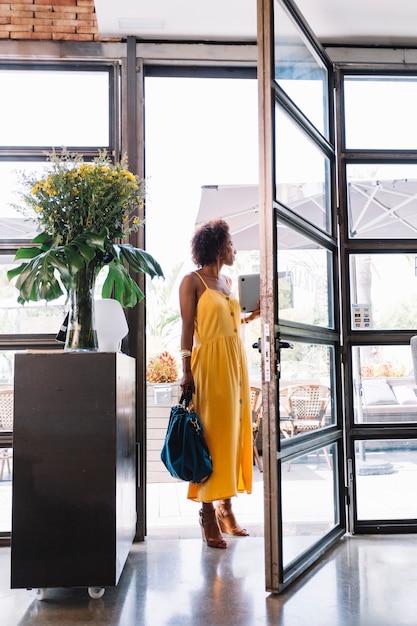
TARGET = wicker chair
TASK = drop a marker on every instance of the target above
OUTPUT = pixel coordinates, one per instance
(6, 423)
(256, 407)
(307, 406)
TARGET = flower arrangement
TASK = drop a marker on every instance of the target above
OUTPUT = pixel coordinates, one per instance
(80, 209)
(77, 196)
(385, 370)
(162, 368)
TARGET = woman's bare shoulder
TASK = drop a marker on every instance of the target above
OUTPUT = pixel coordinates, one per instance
(190, 281)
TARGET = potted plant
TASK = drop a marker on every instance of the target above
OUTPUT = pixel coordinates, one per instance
(82, 209)
(161, 371)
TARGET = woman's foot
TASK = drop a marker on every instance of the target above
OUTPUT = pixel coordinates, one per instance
(227, 520)
(210, 530)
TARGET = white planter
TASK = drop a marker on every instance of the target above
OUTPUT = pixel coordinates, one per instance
(157, 423)
(162, 393)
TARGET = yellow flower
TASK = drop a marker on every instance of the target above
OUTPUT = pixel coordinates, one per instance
(135, 220)
(38, 208)
(128, 175)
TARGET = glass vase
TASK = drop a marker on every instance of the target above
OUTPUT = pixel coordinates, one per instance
(81, 331)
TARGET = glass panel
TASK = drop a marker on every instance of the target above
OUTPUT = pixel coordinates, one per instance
(6, 476)
(382, 200)
(219, 167)
(305, 389)
(304, 279)
(386, 473)
(299, 72)
(6, 429)
(302, 173)
(383, 291)
(75, 111)
(309, 504)
(32, 317)
(13, 223)
(383, 384)
(380, 112)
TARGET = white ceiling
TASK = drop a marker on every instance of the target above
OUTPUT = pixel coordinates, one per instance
(360, 22)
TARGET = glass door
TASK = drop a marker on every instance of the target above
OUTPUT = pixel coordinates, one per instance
(303, 436)
(378, 167)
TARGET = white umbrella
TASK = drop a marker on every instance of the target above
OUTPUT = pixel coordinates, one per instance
(383, 208)
(376, 209)
(17, 228)
(239, 206)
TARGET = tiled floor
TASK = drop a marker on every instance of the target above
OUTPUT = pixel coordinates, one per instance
(173, 579)
(169, 510)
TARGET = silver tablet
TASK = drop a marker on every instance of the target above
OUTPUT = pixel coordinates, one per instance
(249, 292)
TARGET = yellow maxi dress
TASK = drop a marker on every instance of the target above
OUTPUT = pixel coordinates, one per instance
(222, 396)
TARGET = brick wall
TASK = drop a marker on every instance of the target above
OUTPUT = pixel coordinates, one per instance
(54, 20)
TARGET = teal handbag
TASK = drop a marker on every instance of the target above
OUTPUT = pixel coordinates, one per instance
(185, 453)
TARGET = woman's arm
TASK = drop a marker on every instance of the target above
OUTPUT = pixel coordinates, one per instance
(188, 304)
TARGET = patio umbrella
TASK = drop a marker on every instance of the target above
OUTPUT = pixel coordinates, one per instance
(239, 206)
(17, 228)
(376, 209)
(383, 209)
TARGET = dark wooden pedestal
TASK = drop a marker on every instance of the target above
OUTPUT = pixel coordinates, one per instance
(74, 488)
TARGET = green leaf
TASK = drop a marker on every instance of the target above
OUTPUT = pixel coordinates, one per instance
(27, 253)
(75, 260)
(140, 261)
(15, 271)
(121, 286)
(37, 280)
(45, 240)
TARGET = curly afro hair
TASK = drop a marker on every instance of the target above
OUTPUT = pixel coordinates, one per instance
(210, 242)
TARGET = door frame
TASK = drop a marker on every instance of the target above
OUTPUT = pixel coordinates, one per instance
(279, 577)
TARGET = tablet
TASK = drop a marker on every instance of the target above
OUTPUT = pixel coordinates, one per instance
(249, 292)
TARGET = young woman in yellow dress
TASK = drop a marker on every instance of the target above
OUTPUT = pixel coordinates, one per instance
(215, 369)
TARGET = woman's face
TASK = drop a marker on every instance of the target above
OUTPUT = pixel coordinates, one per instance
(230, 254)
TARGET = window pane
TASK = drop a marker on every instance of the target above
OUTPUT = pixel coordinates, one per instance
(382, 200)
(306, 385)
(373, 277)
(217, 162)
(32, 317)
(380, 112)
(6, 430)
(384, 387)
(13, 223)
(54, 108)
(386, 474)
(304, 279)
(309, 505)
(6, 475)
(299, 72)
(302, 173)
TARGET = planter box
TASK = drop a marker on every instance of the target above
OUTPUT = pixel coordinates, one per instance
(74, 488)
(157, 424)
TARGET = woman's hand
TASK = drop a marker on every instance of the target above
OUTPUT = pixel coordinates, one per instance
(252, 316)
(187, 382)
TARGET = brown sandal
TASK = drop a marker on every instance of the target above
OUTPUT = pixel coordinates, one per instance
(227, 520)
(210, 530)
